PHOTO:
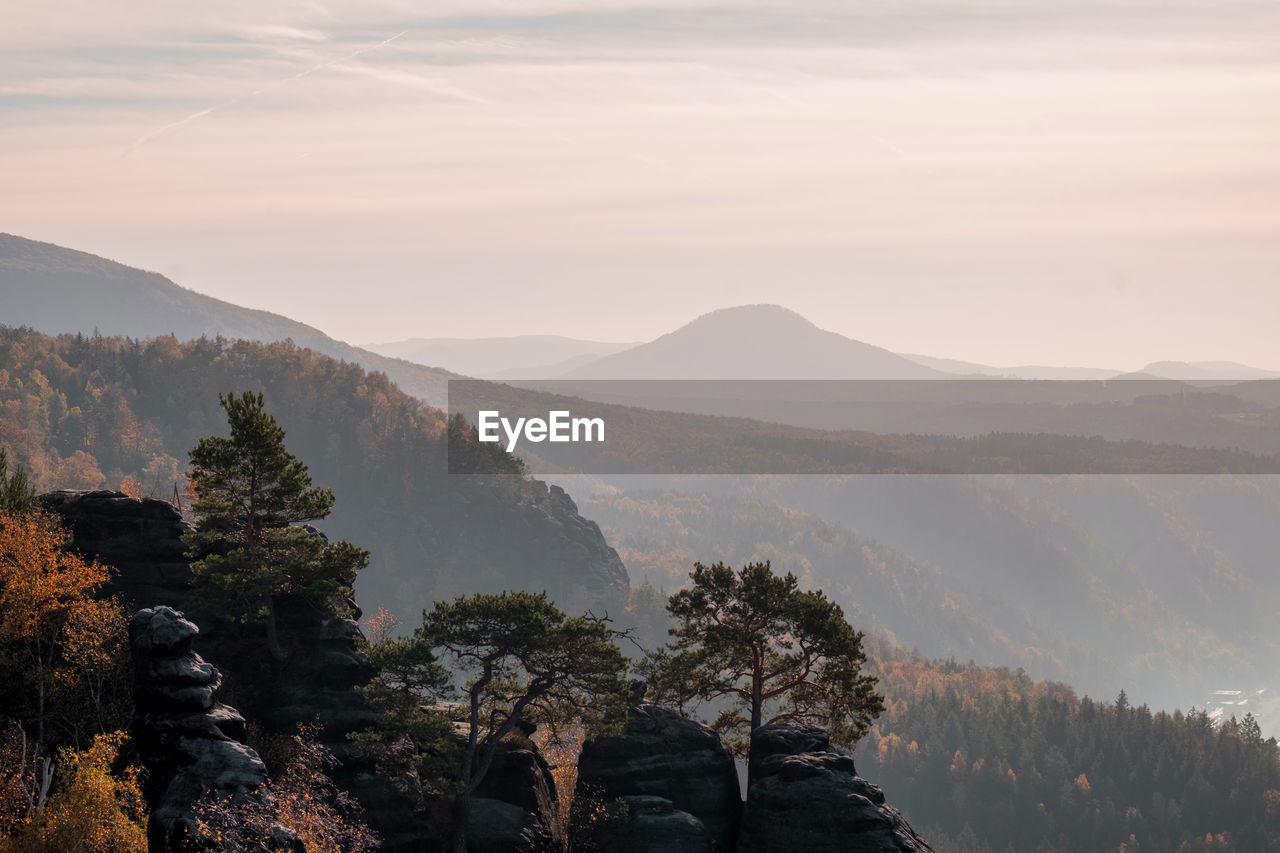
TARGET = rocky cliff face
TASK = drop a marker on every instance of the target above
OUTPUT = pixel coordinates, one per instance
(190, 743)
(676, 778)
(141, 538)
(477, 539)
(804, 797)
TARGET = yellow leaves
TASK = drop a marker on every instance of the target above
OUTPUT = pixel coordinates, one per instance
(561, 748)
(381, 625)
(132, 487)
(90, 811)
(94, 811)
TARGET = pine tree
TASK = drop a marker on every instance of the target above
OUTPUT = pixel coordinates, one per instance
(251, 493)
(781, 654)
(16, 495)
(524, 659)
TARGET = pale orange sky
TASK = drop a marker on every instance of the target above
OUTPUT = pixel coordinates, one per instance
(1089, 183)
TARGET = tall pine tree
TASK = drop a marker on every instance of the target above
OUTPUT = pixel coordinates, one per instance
(251, 494)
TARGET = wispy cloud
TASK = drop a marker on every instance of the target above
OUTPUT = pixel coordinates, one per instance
(662, 144)
(306, 72)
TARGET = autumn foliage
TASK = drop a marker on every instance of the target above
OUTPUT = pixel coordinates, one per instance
(62, 684)
(63, 651)
(302, 799)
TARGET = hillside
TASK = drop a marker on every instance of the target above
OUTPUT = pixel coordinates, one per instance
(652, 431)
(89, 413)
(1021, 371)
(753, 342)
(1201, 370)
(1160, 585)
(57, 290)
(988, 760)
(527, 356)
(660, 534)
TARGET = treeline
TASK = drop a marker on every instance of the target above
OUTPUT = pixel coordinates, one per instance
(88, 412)
(986, 761)
(95, 412)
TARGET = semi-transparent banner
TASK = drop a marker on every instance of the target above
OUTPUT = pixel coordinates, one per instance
(955, 426)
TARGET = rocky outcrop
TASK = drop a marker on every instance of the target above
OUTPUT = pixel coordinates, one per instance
(643, 824)
(677, 779)
(317, 684)
(804, 797)
(481, 540)
(190, 744)
(141, 538)
(515, 808)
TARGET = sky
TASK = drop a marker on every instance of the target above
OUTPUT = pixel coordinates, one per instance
(1091, 183)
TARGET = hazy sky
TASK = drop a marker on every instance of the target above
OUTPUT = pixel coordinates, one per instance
(1033, 181)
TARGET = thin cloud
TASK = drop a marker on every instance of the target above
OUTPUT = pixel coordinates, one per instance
(435, 85)
(155, 134)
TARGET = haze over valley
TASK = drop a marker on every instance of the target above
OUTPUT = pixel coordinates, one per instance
(608, 427)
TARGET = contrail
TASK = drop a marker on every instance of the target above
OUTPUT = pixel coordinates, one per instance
(143, 140)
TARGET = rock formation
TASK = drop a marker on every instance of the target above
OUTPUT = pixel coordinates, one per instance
(190, 744)
(677, 779)
(804, 797)
(481, 541)
(515, 809)
(141, 538)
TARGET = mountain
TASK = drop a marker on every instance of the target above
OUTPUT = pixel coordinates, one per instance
(754, 342)
(523, 356)
(1196, 371)
(1207, 370)
(1022, 371)
(55, 290)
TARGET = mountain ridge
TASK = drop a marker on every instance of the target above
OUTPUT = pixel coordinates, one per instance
(754, 342)
(57, 290)
(500, 357)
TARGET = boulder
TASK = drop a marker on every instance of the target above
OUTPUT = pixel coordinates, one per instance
(804, 797)
(654, 825)
(495, 826)
(660, 754)
(520, 778)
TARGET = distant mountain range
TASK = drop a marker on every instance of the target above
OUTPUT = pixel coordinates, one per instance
(521, 357)
(749, 342)
(56, 290)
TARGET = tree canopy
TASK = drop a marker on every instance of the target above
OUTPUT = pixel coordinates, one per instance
(776, 652)
(526, 660)
(251, 493)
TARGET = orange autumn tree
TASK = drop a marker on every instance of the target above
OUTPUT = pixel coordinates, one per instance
(63, 650)
(63, 689)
